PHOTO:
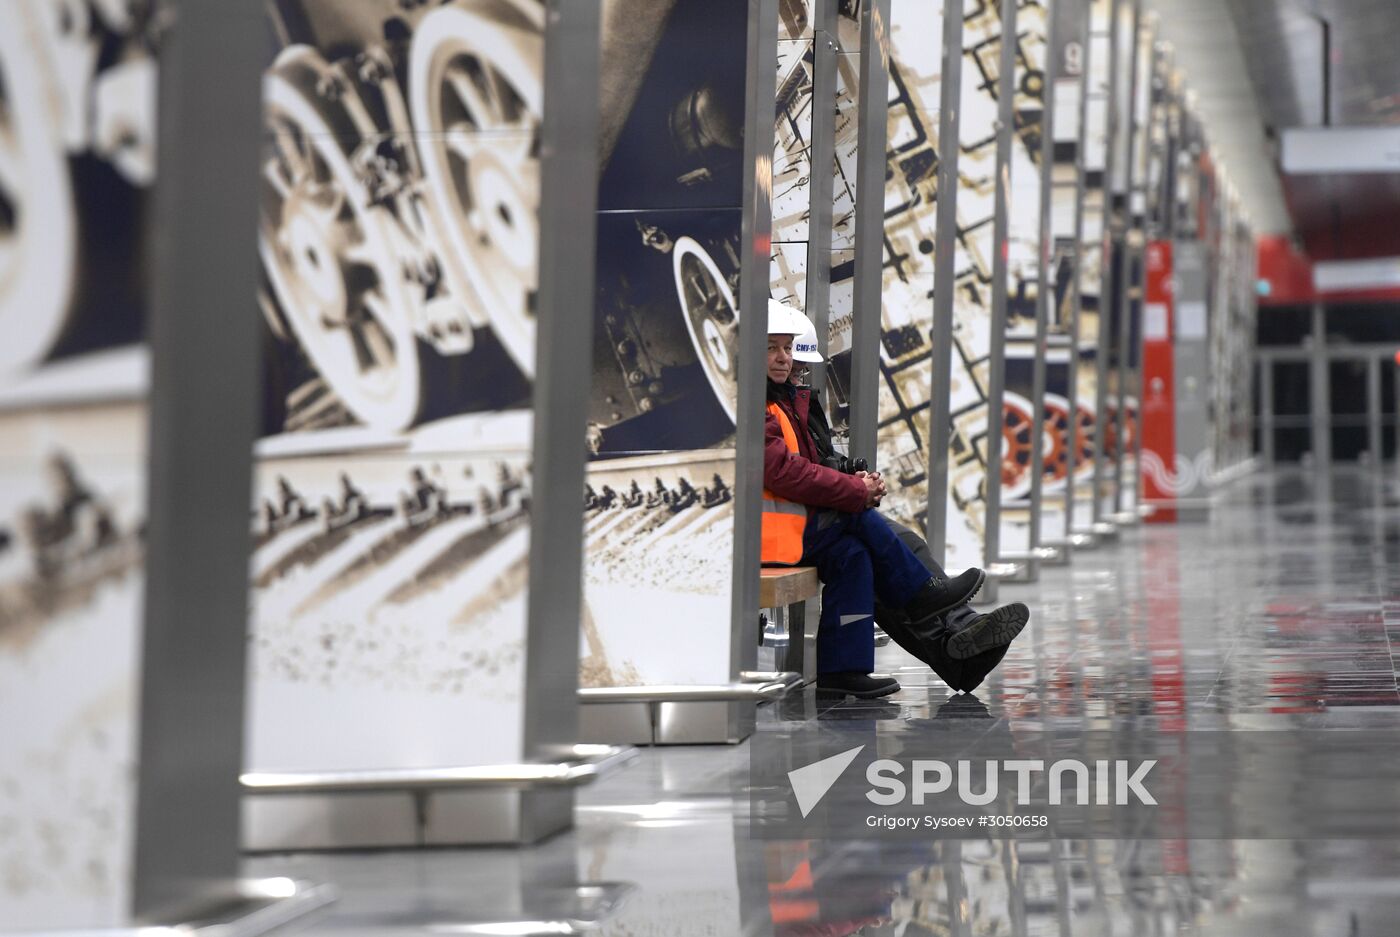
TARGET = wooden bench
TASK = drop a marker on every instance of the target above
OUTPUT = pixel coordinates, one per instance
(782, 586)
(786, 590)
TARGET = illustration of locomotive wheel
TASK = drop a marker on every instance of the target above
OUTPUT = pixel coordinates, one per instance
(1017, 426)
(1130, 427)
(1084, 442)
(475, 95)
(711, 318)
(328, 251)
(1057, 435)
(38, 227)
(1110, 431)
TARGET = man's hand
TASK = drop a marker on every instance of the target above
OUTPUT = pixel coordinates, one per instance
(874, 488)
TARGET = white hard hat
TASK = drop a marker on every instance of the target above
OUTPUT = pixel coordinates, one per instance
(784, 320)
(805, 350)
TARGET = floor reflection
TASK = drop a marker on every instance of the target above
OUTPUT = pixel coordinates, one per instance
(1281, 614)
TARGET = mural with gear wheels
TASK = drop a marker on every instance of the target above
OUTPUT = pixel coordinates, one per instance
(78, 82)
(399, 238)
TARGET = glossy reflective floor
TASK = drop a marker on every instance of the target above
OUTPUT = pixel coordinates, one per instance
(1281, 613)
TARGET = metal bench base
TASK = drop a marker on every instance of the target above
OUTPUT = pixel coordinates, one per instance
(680, 715)
(495, 805)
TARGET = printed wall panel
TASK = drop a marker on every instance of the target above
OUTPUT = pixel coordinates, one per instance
(841, 316)
(970, 423)
(1064, 434)
(1124, 439)
(910, 226)
(659, 511)
(400, 247)
(792, 155)
(74, 298)
(1118, 257)
(1023, 254)
(1232, 342)
(1094, 259)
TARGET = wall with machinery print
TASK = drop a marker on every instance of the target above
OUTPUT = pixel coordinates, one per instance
(1023, 289)
(660, 492)
(77, 169)
(399, 241)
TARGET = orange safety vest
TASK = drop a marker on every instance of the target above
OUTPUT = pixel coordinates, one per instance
(783, 520)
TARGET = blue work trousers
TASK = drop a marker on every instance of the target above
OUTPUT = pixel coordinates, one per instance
(858, 557)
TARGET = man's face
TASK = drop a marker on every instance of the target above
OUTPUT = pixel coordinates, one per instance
(780, 358)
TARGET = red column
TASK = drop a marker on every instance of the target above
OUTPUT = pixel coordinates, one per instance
(1158, 420)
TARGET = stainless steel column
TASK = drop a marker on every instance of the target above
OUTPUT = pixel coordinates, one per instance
(1046, 296)
(760, 92)
(869, 227)
(945, 248)
(1319, 375)
(1076, 300)
(204, 389)
(1134, 259)
(1114, 230)
(823, 182)
(1266, 409)
(570, 153)
(1373, 410)
(1001, 223)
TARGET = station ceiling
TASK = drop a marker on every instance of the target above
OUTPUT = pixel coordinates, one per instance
(1258, 67)
(1328, 62)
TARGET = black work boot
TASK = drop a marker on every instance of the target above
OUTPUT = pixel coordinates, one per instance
(995, 629)
(939, 595)
(859, 685)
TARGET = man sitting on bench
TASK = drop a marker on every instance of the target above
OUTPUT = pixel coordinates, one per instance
(931, 642)
(817, 516)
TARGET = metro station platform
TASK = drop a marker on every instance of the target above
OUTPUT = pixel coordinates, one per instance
(1280, 614)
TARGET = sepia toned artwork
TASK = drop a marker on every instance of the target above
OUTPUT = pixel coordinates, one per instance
(910, 231)
(400, 242)
(792, 157)
(1067, 60)
(1023, 288)
(1095, 255)
(77, 171)
(658, 508)
(846, 137)
(1123, 258)
(906, 356)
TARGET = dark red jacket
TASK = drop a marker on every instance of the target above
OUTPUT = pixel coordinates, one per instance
(798, 476)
